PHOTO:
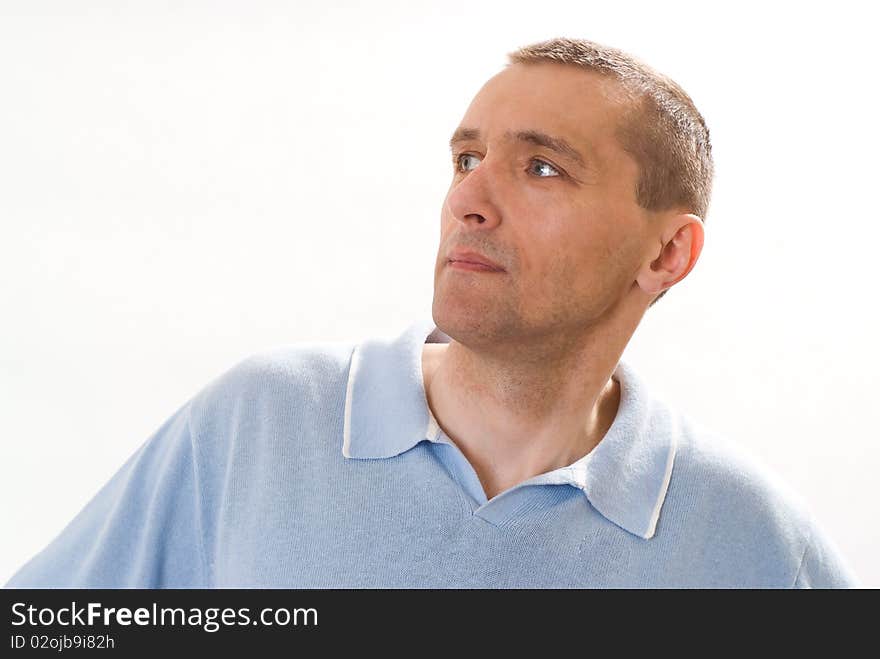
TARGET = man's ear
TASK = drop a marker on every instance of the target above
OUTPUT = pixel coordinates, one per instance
(678, 248)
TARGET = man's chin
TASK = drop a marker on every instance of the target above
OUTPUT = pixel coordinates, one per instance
(469, 325)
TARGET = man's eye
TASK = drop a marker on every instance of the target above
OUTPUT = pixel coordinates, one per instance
(465, 162)
(540, 168)
(462, 158)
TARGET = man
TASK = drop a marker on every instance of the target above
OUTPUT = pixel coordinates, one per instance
(513, 448)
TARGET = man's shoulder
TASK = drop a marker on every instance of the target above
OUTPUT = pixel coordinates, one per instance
(728, 482)
(738, 503)
(300, 361)
(709, 463)
(294, 373)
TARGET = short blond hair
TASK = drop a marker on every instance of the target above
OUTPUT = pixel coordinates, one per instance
(662, 129)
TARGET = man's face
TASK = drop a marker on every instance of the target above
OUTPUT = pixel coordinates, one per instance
(566, 228)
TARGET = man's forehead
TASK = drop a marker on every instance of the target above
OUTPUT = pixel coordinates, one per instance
(546, 82)
(560, 100)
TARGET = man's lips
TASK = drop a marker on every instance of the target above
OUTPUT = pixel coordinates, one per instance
(474, 267)
(468, 260)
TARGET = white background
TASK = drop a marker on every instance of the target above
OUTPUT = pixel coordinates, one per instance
(183, 184)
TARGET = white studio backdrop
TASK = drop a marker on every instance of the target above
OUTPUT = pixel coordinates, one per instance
(183, 184)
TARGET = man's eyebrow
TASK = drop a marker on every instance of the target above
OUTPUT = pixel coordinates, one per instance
(463, 135)
(557, 144)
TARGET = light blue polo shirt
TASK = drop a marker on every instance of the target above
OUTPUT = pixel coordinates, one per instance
(321, 466)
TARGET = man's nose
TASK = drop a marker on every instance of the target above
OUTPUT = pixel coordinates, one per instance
(473, 199)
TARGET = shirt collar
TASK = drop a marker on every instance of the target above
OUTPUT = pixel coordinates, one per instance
(625, 477)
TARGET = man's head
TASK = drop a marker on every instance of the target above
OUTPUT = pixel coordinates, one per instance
(583, 173)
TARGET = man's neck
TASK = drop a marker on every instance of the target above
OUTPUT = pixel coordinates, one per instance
(515, 419)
